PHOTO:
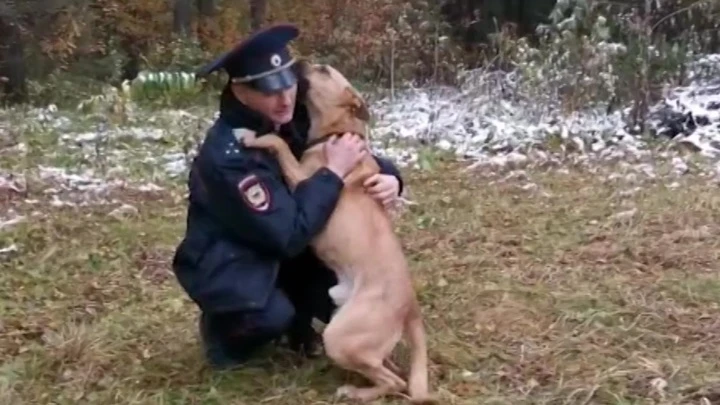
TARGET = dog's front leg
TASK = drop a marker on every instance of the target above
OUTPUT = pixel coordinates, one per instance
(291, 168)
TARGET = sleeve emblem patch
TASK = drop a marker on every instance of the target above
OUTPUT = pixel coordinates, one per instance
(254, 193)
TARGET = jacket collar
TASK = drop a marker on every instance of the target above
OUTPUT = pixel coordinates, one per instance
(238, 115)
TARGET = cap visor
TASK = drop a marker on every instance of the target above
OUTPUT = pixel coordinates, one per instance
(277, 81)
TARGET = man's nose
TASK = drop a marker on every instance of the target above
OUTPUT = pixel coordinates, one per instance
(284, 97)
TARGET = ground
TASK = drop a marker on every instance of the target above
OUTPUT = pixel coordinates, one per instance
(571, 282)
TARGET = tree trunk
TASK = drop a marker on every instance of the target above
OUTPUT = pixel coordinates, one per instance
(258, 11)
(207, 29)
(207, 8)
(182, 17)
(12, 63)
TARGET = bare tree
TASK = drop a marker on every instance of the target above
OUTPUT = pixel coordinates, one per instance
(182, 17)
(12, 55)
(206, 8)
(19, 18)
(258, 11)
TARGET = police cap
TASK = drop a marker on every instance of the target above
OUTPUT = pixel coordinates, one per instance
(261, 61)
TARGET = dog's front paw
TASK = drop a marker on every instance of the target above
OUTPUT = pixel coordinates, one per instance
(245, 136)
(356, 394)
(346, 392)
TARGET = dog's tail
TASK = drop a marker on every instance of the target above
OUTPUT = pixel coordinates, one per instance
(418, 387)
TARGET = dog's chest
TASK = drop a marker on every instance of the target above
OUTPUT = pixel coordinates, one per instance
(341, 292)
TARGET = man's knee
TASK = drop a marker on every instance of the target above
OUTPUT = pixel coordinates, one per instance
(232, 338)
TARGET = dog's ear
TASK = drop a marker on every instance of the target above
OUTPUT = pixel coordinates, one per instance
(359, 107)
(362, 112)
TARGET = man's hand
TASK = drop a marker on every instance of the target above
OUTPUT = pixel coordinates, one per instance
(344, 153)
(383, 187)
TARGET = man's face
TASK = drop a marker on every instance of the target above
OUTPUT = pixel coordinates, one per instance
(278, 107)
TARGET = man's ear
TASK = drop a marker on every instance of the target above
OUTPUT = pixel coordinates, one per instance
(360, 108)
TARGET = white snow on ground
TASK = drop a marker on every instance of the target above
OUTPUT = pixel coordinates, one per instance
(480, 119)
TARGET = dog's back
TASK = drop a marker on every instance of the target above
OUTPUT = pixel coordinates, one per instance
(360, 234)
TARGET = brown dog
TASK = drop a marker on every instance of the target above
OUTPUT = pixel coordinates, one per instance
(375, 296)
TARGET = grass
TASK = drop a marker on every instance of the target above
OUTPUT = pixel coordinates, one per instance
(534, 290)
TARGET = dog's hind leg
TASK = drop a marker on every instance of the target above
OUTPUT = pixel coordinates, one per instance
(363, 352)
(386, 383)
(393, 367)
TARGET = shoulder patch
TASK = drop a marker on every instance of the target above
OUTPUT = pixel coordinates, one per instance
(254, 193)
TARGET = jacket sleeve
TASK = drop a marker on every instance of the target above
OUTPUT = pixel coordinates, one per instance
(251, 200)
(387, 167)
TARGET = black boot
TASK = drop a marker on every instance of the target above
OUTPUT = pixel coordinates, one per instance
(220, 353)
(302, 338)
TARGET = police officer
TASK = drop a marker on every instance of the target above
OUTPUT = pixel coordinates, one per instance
(245, 258)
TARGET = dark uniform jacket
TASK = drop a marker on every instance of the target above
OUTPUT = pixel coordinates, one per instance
(242, 220)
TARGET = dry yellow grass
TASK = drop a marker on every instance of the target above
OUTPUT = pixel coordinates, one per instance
(537, 294)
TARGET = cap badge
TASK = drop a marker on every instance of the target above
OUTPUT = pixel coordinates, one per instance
(275, 60)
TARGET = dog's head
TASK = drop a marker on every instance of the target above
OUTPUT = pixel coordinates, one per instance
(334, 105)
